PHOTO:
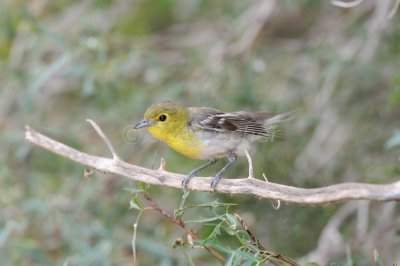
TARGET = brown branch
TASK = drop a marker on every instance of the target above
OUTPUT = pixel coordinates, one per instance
(180, 222)
(256, 242)
(249, 186)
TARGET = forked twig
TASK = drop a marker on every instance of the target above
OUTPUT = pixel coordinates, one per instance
(104, 138)
(182, 224)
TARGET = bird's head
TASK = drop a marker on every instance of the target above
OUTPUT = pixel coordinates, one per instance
(164, 118)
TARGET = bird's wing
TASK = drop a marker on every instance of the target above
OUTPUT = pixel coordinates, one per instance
(240, 122)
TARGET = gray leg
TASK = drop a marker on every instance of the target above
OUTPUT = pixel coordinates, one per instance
(232, 159)
(192, 173)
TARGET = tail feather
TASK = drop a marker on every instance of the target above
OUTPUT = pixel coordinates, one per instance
(279, 118)
(275, 132)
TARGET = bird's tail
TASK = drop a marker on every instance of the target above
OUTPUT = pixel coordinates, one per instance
(279, 118)
(275, 132)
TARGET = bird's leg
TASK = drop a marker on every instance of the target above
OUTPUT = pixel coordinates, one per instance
(232, 159)
(192, 173)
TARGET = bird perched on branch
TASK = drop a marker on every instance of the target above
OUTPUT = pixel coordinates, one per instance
(207, 133)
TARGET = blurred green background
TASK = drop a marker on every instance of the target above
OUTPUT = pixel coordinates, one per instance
(64, 61)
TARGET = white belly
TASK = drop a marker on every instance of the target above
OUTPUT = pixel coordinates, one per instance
(216, 145)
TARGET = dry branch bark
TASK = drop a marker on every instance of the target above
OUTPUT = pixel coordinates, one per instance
(249, 186)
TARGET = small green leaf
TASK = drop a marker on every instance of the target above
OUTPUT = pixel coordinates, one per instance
(247, 255)
(135, 203)
(213, 235)
(216, 244)
(144, 186)
(178, 214)
(232, 220)
(212, 204)
(229, 231)
(230, 260)
(205, 219)
(133, 190)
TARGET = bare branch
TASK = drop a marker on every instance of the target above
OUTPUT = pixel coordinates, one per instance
(249, 186)
(104, 138)
(343, 4)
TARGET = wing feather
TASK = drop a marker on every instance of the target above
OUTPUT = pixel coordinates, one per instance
(215, 120)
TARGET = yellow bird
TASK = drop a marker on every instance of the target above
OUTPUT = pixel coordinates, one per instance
(207, 133)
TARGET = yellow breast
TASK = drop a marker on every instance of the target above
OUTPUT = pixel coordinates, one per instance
(181, 140)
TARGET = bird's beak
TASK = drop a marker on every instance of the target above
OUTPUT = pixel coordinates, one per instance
(144, 123)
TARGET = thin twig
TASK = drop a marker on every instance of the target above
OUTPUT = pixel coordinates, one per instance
(251, 171)
(104, 138)
(135, 225)
(162, 165)
(182, 224)
(276, 204)
(247, 186)
(184, 198)
(257, 243)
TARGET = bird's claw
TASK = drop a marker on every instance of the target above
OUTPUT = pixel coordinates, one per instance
(213, 184)
(186, 180)
(214, 181)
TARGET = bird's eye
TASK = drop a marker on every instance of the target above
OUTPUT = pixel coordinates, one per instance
(162, 117)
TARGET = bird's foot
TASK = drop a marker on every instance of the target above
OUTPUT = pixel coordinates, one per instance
(215, 180)
(187, 178)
